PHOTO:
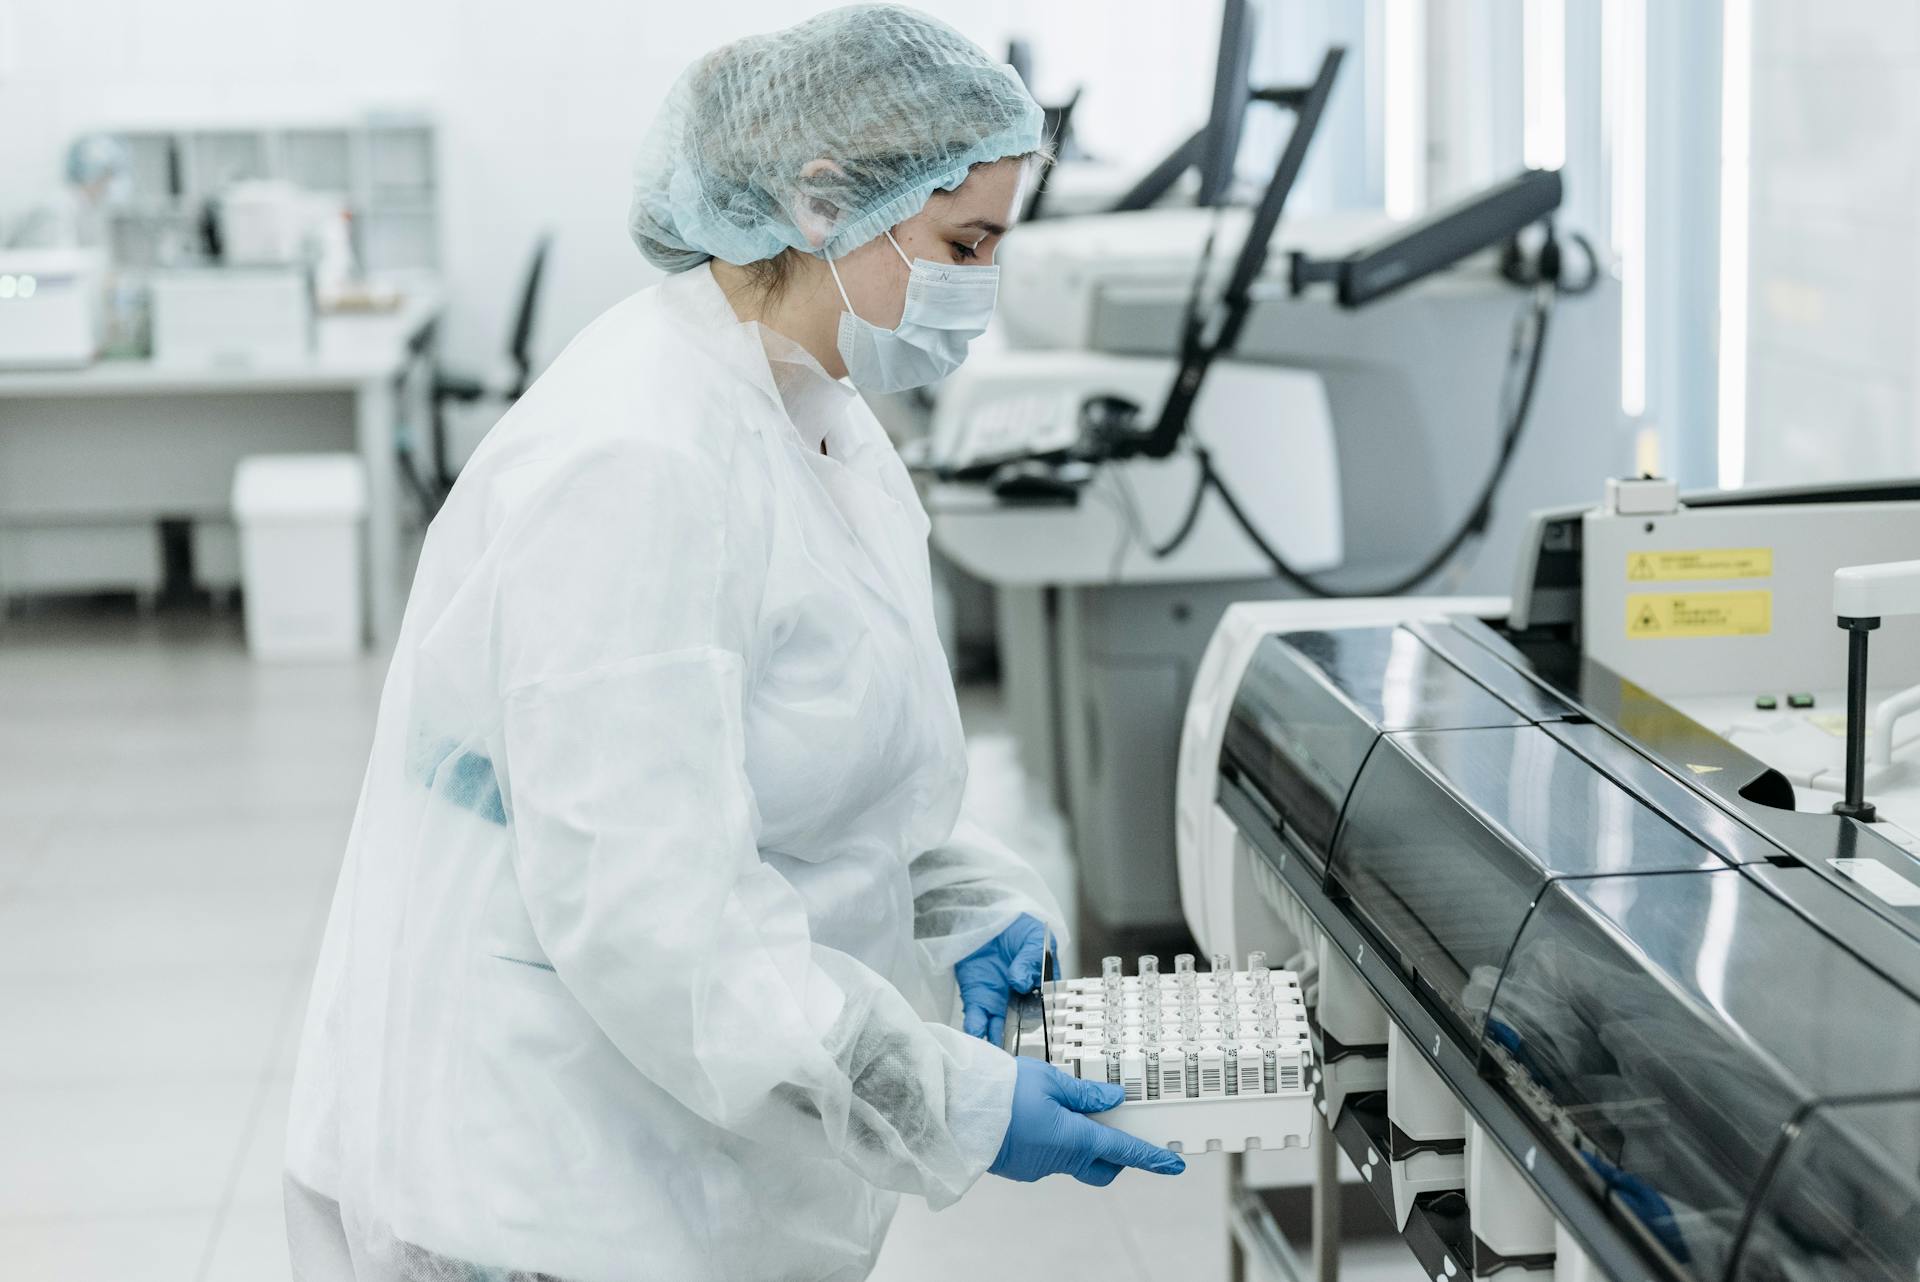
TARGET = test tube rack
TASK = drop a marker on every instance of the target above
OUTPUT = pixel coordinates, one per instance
(1215, 1062)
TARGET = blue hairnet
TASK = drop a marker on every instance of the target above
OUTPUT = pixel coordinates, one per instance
(848, 121)
(93, 158)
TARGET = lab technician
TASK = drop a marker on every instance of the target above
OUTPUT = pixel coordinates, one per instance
(655, 903)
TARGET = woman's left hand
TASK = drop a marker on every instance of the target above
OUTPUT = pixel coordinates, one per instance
(1006, 964)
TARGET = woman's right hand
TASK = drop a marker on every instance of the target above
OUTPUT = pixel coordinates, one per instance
(1047, 1134)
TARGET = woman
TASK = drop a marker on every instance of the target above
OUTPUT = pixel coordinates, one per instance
(655, 900)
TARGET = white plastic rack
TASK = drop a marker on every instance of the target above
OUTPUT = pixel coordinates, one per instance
(1214, 1062)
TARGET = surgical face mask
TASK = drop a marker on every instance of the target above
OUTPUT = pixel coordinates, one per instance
(947, 308)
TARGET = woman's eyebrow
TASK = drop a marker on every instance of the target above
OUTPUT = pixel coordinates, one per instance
(986, 225)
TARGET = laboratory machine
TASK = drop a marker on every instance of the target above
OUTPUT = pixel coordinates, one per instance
(1604, 896)
(1202, 406)
(50, 316)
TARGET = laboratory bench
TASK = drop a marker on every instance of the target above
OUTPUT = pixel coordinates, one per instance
(110, 471)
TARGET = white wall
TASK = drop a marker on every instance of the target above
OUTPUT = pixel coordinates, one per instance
(1832, 376)
(540, 105)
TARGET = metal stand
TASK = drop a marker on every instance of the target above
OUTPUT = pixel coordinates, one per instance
(179, 586)
(1236, 1253)
(1856, 806)
(1326, 1203)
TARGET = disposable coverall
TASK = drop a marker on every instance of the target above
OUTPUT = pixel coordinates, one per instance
(655, 881)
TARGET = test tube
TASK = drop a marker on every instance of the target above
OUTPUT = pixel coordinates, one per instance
(1183, 964)
(1149, 967)
(1257, 963)
(1111, 970)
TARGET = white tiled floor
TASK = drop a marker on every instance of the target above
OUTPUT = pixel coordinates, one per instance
(171, 819)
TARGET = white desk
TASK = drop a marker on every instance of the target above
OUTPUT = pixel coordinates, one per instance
(123, 442)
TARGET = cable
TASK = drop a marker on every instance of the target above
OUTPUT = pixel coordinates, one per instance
(1162, 551)
(1123, 484)
(1129, 527)
(1538, 309)
(1548, 266)
(1547, 269)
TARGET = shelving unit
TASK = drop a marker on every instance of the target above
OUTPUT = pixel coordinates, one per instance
(384, 167)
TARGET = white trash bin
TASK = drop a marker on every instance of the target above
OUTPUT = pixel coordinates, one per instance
(300, 517)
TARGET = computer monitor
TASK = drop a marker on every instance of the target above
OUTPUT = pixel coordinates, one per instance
(1220, 143)
(1214, 147)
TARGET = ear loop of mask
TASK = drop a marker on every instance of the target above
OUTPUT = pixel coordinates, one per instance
(837, 285)
(835, 272)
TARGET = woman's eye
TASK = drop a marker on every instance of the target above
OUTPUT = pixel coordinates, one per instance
(960, 251)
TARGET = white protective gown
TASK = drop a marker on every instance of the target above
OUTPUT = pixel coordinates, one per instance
(655, 879)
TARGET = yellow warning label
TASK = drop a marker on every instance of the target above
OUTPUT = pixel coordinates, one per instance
(1699, 614)
(1681, 565)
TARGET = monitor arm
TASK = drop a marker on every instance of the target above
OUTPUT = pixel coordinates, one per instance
(1110, 423)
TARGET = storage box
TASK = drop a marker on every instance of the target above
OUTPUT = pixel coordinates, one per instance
(232, 316)
(300, 518)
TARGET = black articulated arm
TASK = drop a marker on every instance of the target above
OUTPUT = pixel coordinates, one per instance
(1210, 332)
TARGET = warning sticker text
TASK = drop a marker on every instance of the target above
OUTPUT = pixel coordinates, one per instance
(1685, 564)
(1699, 614)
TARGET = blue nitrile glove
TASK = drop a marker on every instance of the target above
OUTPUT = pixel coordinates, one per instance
(1644, 1201)
(1008, 963)
(1048, 1136)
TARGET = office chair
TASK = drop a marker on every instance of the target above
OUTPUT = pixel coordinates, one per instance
(454, 388)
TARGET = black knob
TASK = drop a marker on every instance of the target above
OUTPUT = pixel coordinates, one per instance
(1105, 416)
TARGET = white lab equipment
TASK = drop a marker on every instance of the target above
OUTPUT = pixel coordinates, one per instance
(1871, 591)
(1355, 439)
(300, 518)
(266, 222)
(231, 315)
(1352, 1028)
(49, 307)
(270, 222)
(1426, 1140)
(657, 878)
(1510, 1221)
(1580, 849)
(1725, 606)
(1570, 1263)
